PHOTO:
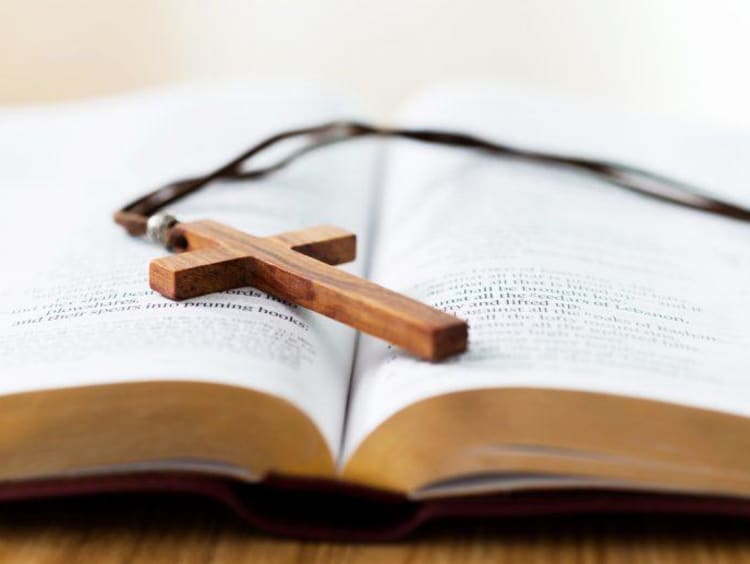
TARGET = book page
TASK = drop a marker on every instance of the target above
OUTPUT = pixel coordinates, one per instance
(566, 282)
(75, 304)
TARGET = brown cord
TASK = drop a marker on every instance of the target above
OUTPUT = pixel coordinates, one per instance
(134, 216)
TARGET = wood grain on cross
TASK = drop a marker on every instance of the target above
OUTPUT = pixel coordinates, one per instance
(298, 267)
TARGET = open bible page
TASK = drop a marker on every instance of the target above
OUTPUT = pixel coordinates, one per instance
(566, 282)
(75, 303)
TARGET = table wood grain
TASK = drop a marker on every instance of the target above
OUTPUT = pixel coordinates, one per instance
(177, 530)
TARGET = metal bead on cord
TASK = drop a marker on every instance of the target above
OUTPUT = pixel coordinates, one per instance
(158, 226)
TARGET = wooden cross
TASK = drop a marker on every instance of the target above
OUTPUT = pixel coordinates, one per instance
(296, 267)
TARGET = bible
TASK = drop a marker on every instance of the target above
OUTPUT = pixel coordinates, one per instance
(608, 332)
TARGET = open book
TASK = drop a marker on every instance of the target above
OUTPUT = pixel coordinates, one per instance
(609, 342)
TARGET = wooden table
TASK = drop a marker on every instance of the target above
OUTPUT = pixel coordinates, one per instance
(175, 531)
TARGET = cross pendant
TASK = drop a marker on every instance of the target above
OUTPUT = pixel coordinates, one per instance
(298, 267)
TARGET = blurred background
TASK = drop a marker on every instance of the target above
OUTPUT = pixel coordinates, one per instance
(681, 57)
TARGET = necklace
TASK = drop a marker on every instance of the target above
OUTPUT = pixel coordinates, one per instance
(300, 266)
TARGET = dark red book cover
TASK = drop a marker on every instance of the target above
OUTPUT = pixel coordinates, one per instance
(331, 510)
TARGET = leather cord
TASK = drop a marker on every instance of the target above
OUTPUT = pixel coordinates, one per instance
(134, 216)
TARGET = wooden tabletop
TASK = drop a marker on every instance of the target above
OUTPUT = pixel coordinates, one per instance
(175, 531)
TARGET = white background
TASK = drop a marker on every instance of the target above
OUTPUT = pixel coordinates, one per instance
(685, 58)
